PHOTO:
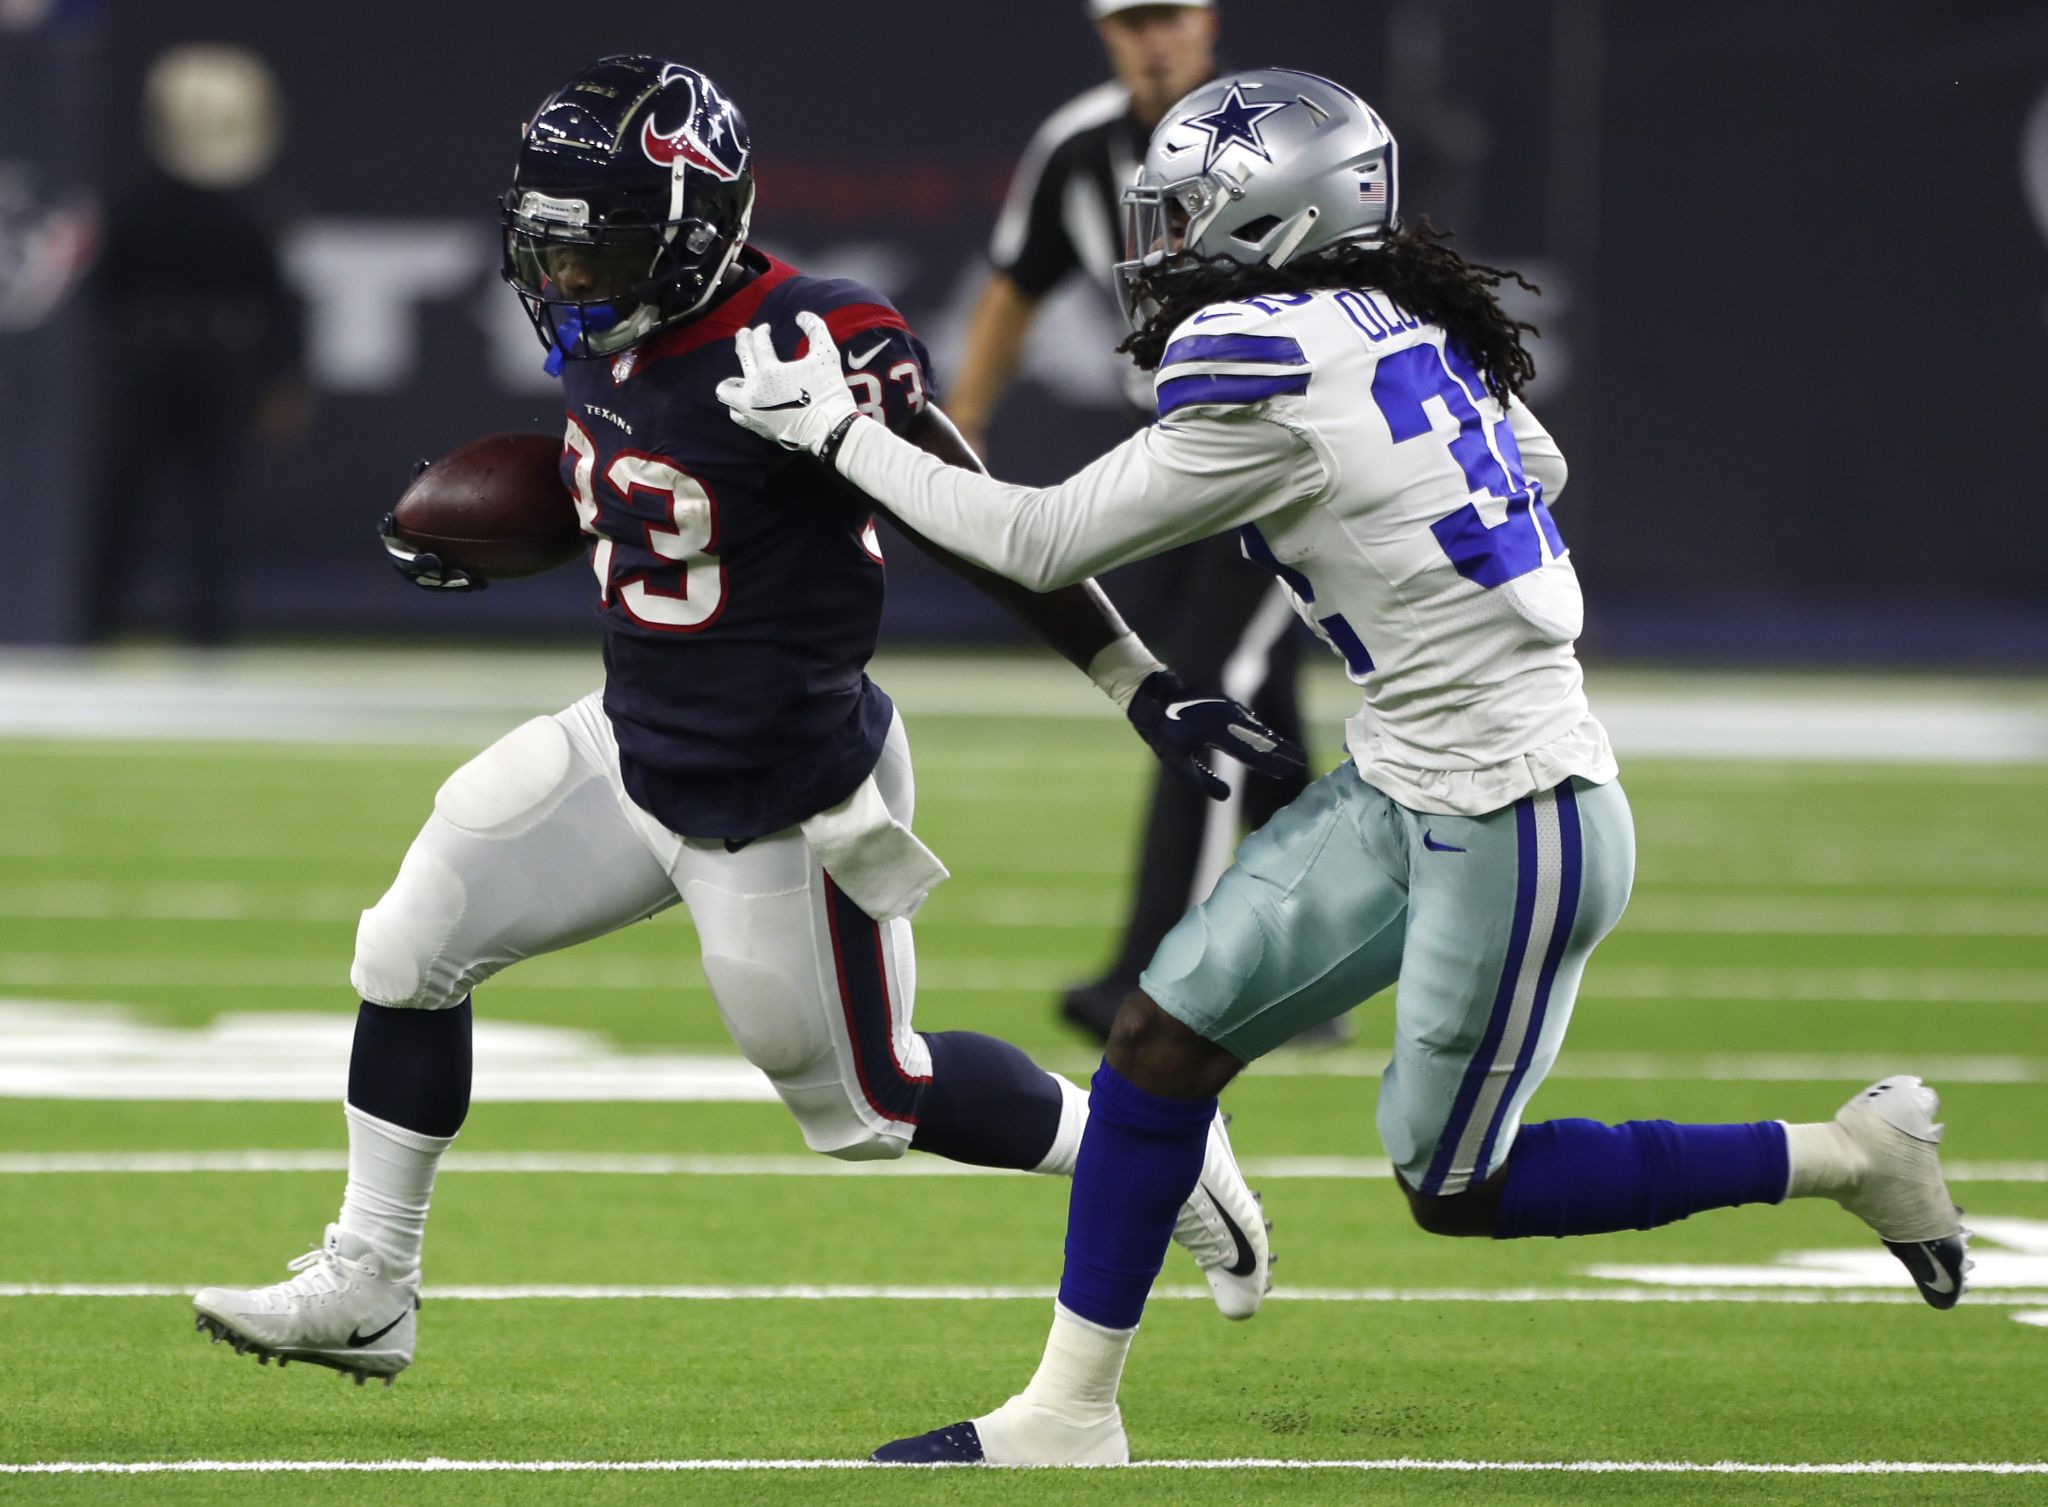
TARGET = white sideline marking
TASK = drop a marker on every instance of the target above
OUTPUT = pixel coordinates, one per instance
(1785, 914)
(1869, 983)
(67, 1050)
(855, 1292)
(718, 1164)
(435, 1466)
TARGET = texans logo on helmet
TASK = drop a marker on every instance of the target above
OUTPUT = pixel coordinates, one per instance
(685, 144)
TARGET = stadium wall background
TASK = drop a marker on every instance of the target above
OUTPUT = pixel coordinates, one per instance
(1795, 261)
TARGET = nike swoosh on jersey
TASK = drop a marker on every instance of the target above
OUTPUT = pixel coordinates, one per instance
(857, 362)
(358, 1338)
(1434, 846)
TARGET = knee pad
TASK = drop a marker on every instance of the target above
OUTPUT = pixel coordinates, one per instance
(845, 1137)
(402, 940)
(402, 936)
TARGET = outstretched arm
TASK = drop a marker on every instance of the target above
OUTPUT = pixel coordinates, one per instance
(1201, 472)
(1077, 621)
(1084, 626)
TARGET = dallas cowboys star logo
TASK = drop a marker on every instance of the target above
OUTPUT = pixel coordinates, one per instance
(1235, 122)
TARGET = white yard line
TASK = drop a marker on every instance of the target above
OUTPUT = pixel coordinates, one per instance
(939, 1293)
(1780, 914)
(1868, 983)
(437, 1466)
(605, 1164)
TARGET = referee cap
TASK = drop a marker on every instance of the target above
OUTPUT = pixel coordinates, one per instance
(1100, 8)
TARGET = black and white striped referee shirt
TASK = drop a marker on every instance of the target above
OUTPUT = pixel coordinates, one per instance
(1064, 208)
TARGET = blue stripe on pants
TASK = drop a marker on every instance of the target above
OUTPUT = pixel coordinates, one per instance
(1571, 859)
(863, 980)
(1503, 1000)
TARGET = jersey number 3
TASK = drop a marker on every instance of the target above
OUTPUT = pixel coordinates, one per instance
(1489, 556)
(681, 599)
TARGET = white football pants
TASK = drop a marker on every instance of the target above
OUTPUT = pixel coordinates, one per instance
(534, 845)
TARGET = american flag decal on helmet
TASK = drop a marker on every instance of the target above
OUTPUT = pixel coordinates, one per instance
(1372, 191)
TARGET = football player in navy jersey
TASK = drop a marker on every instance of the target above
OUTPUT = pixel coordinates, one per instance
(738, 759)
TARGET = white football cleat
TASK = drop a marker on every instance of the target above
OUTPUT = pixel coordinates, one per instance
(340, 1310)
(1225, 1230)
(1017, 1433)
(1901, 1193)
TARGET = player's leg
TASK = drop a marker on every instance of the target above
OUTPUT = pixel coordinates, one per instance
(1307, 922)
(1506, 910)
(527, 850)
(821, 997)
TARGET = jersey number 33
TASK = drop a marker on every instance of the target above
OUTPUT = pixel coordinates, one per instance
(685, 598)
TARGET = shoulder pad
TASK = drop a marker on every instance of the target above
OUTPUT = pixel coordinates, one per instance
(1229, 353)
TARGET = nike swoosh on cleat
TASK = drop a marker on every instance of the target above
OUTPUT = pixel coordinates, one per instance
(801, 400)
(357, 1338)
(1434, 846)
(1247, 1260)
(1933, 1265)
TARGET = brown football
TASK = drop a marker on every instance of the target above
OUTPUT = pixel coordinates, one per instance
(495, 506)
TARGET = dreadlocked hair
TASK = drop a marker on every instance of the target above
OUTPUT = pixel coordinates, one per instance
(1413, 267)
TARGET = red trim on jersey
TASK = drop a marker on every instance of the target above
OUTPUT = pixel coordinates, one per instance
(849, 320)
(724, 321)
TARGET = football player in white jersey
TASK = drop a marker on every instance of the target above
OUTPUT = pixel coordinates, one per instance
(1344, 391)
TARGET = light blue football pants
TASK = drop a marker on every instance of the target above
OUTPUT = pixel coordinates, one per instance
(1486, 923)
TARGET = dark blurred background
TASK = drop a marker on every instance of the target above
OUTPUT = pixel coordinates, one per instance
(1794, 260)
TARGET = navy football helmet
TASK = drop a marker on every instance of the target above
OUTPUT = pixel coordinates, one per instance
(632, 195)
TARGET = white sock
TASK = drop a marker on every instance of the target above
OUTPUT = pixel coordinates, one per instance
(1823, 1161)
(1076, 1382)
(390, 1179)
(1066, 1141)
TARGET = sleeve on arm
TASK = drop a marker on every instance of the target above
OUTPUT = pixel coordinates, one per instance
(1542, 461)
(886, 365)
(1212, 469)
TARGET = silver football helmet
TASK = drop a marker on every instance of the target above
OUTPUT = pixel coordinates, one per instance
(1263, 166)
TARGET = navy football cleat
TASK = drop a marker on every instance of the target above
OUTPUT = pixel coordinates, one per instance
(955, 1444)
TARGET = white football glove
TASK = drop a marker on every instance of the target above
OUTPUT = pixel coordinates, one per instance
(797, 404)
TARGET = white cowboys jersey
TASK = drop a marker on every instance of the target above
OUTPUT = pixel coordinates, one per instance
(1364, 462)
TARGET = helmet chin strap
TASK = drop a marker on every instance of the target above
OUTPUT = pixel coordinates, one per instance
(1292, 235)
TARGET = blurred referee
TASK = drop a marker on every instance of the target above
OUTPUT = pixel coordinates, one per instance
(1220, 621)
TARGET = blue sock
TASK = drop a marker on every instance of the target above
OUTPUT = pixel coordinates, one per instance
(1579, 1177)
(987, 1103)
(1140, 1159)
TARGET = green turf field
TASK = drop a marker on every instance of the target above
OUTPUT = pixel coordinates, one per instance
(1797, 930)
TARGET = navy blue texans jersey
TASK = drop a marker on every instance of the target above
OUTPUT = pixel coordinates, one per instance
(739, 584)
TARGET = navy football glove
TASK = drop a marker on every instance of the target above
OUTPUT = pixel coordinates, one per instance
(423, 567)
(1180, 724)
